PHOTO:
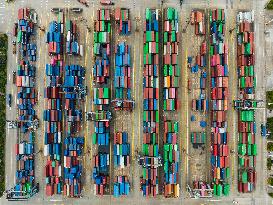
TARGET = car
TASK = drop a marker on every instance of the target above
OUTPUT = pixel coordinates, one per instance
(56, 10)
(77, 10)
(9, 100)
(14, 47)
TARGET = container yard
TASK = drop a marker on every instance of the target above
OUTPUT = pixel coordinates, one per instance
(121, 102)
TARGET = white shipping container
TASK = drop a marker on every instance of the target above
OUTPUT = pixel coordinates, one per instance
(156, 14)
(59, 137)
(150, 47)
(95, 191)
(108, 159)
(22, 148)
(167, 23)
(175, 147)
(222, 130)
(176, 27)
(165, 50)
(46, 150)
(65, 162)
(62, 28)
(121, 162)
(81, 50)
(166, 93)
(200, 27)
(60, 171)
(68, 36)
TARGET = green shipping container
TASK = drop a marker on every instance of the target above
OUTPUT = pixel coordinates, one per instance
(242, 149)
(165, 37)
(247, 48)
(94, 138)
(227, 172)
(144, 173)
(241, 161)
(214, 190)
(254, 149)
(156, 116)
(244, 177)
(148, 14)
(226, 189)
(219, 190)
(106, 93)
(251, 71)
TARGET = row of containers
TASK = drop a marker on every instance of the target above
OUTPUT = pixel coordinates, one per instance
(200, 105)
(122, 78)
(73, 141)
(122, 101)
(23, 30)
(121, 162)
(247, 147)
(171, 69)
(149, 178)
(25, 186)
(219, 84)
(122, 19)
(53, 114)
(171, 159)
(101, 101)
(72, 35)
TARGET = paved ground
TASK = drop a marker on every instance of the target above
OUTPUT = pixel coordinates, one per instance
(134, 123)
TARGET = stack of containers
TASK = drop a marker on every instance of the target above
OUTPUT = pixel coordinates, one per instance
(25, 179)
(198, 137)
(149, 179)
(121, 186)
(73, 143)
(72, 45)
(171, 159)
(26, 95)
(121, 161)
(247, 147)
(54, 38)
(102, 46)
(122, 80)
(123, 21)
(53, 113)
(26, 100)
(198, 20)
(25, 29)
(101, 100)
(219, 91)
(171, 70)
(121, 150)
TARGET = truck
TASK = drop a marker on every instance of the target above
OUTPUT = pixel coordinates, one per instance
(106, 2)
(14, 47)
(263, 130)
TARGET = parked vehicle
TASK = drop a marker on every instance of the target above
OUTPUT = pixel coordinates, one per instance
(77, 10)
(106, 2)
(14, 47)
(56, 10)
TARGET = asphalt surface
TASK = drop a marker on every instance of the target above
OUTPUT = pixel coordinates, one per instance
(134, 125)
